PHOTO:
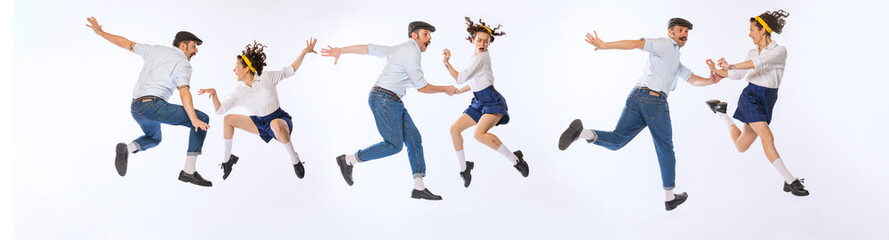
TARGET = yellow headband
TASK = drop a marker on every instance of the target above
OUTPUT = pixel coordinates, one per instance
(764, 25)
(248, 63)
(486, 28)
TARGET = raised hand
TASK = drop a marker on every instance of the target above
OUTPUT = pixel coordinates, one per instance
(593, 39)
(332, 52)
(447, 55)
(723, 64)
(711, 64)
(209, 91)
(94, 25)
(310, 46)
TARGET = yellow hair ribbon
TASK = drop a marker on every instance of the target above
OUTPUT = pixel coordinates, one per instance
(247, 61)
(486, 28)
(764, 25)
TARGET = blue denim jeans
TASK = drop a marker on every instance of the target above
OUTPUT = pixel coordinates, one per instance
(645, 108)
(397, 129)
(150, 113)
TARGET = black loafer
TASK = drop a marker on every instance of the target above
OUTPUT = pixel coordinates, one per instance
(466, 174)
(299, 170)
(345, 169)
(194, 178)
(227, 166)
(521, 165)
(570, 135)
(424, 194)
(717, 106)
(796, 188)
(120, 158)
(680, 198)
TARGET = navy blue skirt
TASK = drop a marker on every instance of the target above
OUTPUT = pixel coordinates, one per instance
(263, 124)
(756, 104)
(488, 101)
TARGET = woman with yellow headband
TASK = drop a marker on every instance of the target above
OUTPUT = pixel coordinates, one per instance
(764, 70)
(488, 107)
(257, 92)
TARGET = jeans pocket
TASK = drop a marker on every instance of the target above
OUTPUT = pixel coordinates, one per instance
(651, 108)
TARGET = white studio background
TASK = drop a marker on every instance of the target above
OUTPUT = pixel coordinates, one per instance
(68, 104)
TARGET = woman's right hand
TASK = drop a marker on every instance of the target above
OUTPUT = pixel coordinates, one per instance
(210, 91)
(447, 55)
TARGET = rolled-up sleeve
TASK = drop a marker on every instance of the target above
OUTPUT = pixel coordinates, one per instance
(276, 76)
(377, 50)
(182, 74)
(653, 45)
(771, 59)
(683, 73)
(414, 70)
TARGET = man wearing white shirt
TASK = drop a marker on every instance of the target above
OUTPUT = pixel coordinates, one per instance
(646, 104)
(164, 70)
(402, 71)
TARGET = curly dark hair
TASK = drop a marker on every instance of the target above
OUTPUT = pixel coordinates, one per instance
(474, 28)
(255, 55)
(775, 20)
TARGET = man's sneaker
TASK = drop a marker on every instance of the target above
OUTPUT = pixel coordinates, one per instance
(717, 106)
(227, 166)
(424, 194)
(466, 174)
(672, 204)
(120, 158)
(194, 178)
(521, 165)
(796, 188)
(571, 134)
(345, 169)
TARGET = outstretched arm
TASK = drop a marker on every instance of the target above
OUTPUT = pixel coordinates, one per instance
(737, 66)
(336, 52)
(212, 93)
(699, 81)
(310, 48)
(593, 39)
(721, 72)
(429, 88)
(187, 103)
(116, 40)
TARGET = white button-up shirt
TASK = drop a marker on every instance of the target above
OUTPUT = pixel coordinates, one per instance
(262, 98)
(478, 73)
(402, 70)
(663, 67)
(768, 66)
(165, 69)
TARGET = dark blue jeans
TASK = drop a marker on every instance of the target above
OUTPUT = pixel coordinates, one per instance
(150, 113)
(397, 129)
(645, 108)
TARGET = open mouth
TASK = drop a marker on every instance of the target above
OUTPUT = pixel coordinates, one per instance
(683, 39)
(429, 42)
(481, 49)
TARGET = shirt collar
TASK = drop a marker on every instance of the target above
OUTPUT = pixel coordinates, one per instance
(415, 44)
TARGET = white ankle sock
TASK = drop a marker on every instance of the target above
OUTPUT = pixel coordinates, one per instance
(779, 165)
(418, 183)
(726, 118)
(228, 150)
(131, 147)
(294, 157)
(670, 195)
(588, 134)
(509, 155)
(189, 164)
(351, 159)
(462, 159)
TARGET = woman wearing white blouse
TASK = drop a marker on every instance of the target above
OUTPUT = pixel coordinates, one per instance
(488, 107)
(257, 92)
(763, 69)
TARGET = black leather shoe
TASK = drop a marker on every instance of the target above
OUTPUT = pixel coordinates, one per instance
(345, 169)
(227, 166)
(521, 165)
(194, 178)
(120, 158)
(299, 170)
(424, 194)
(796, 188)
(680, 198)
(466, 175)
(717, 106)
(570, 135)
